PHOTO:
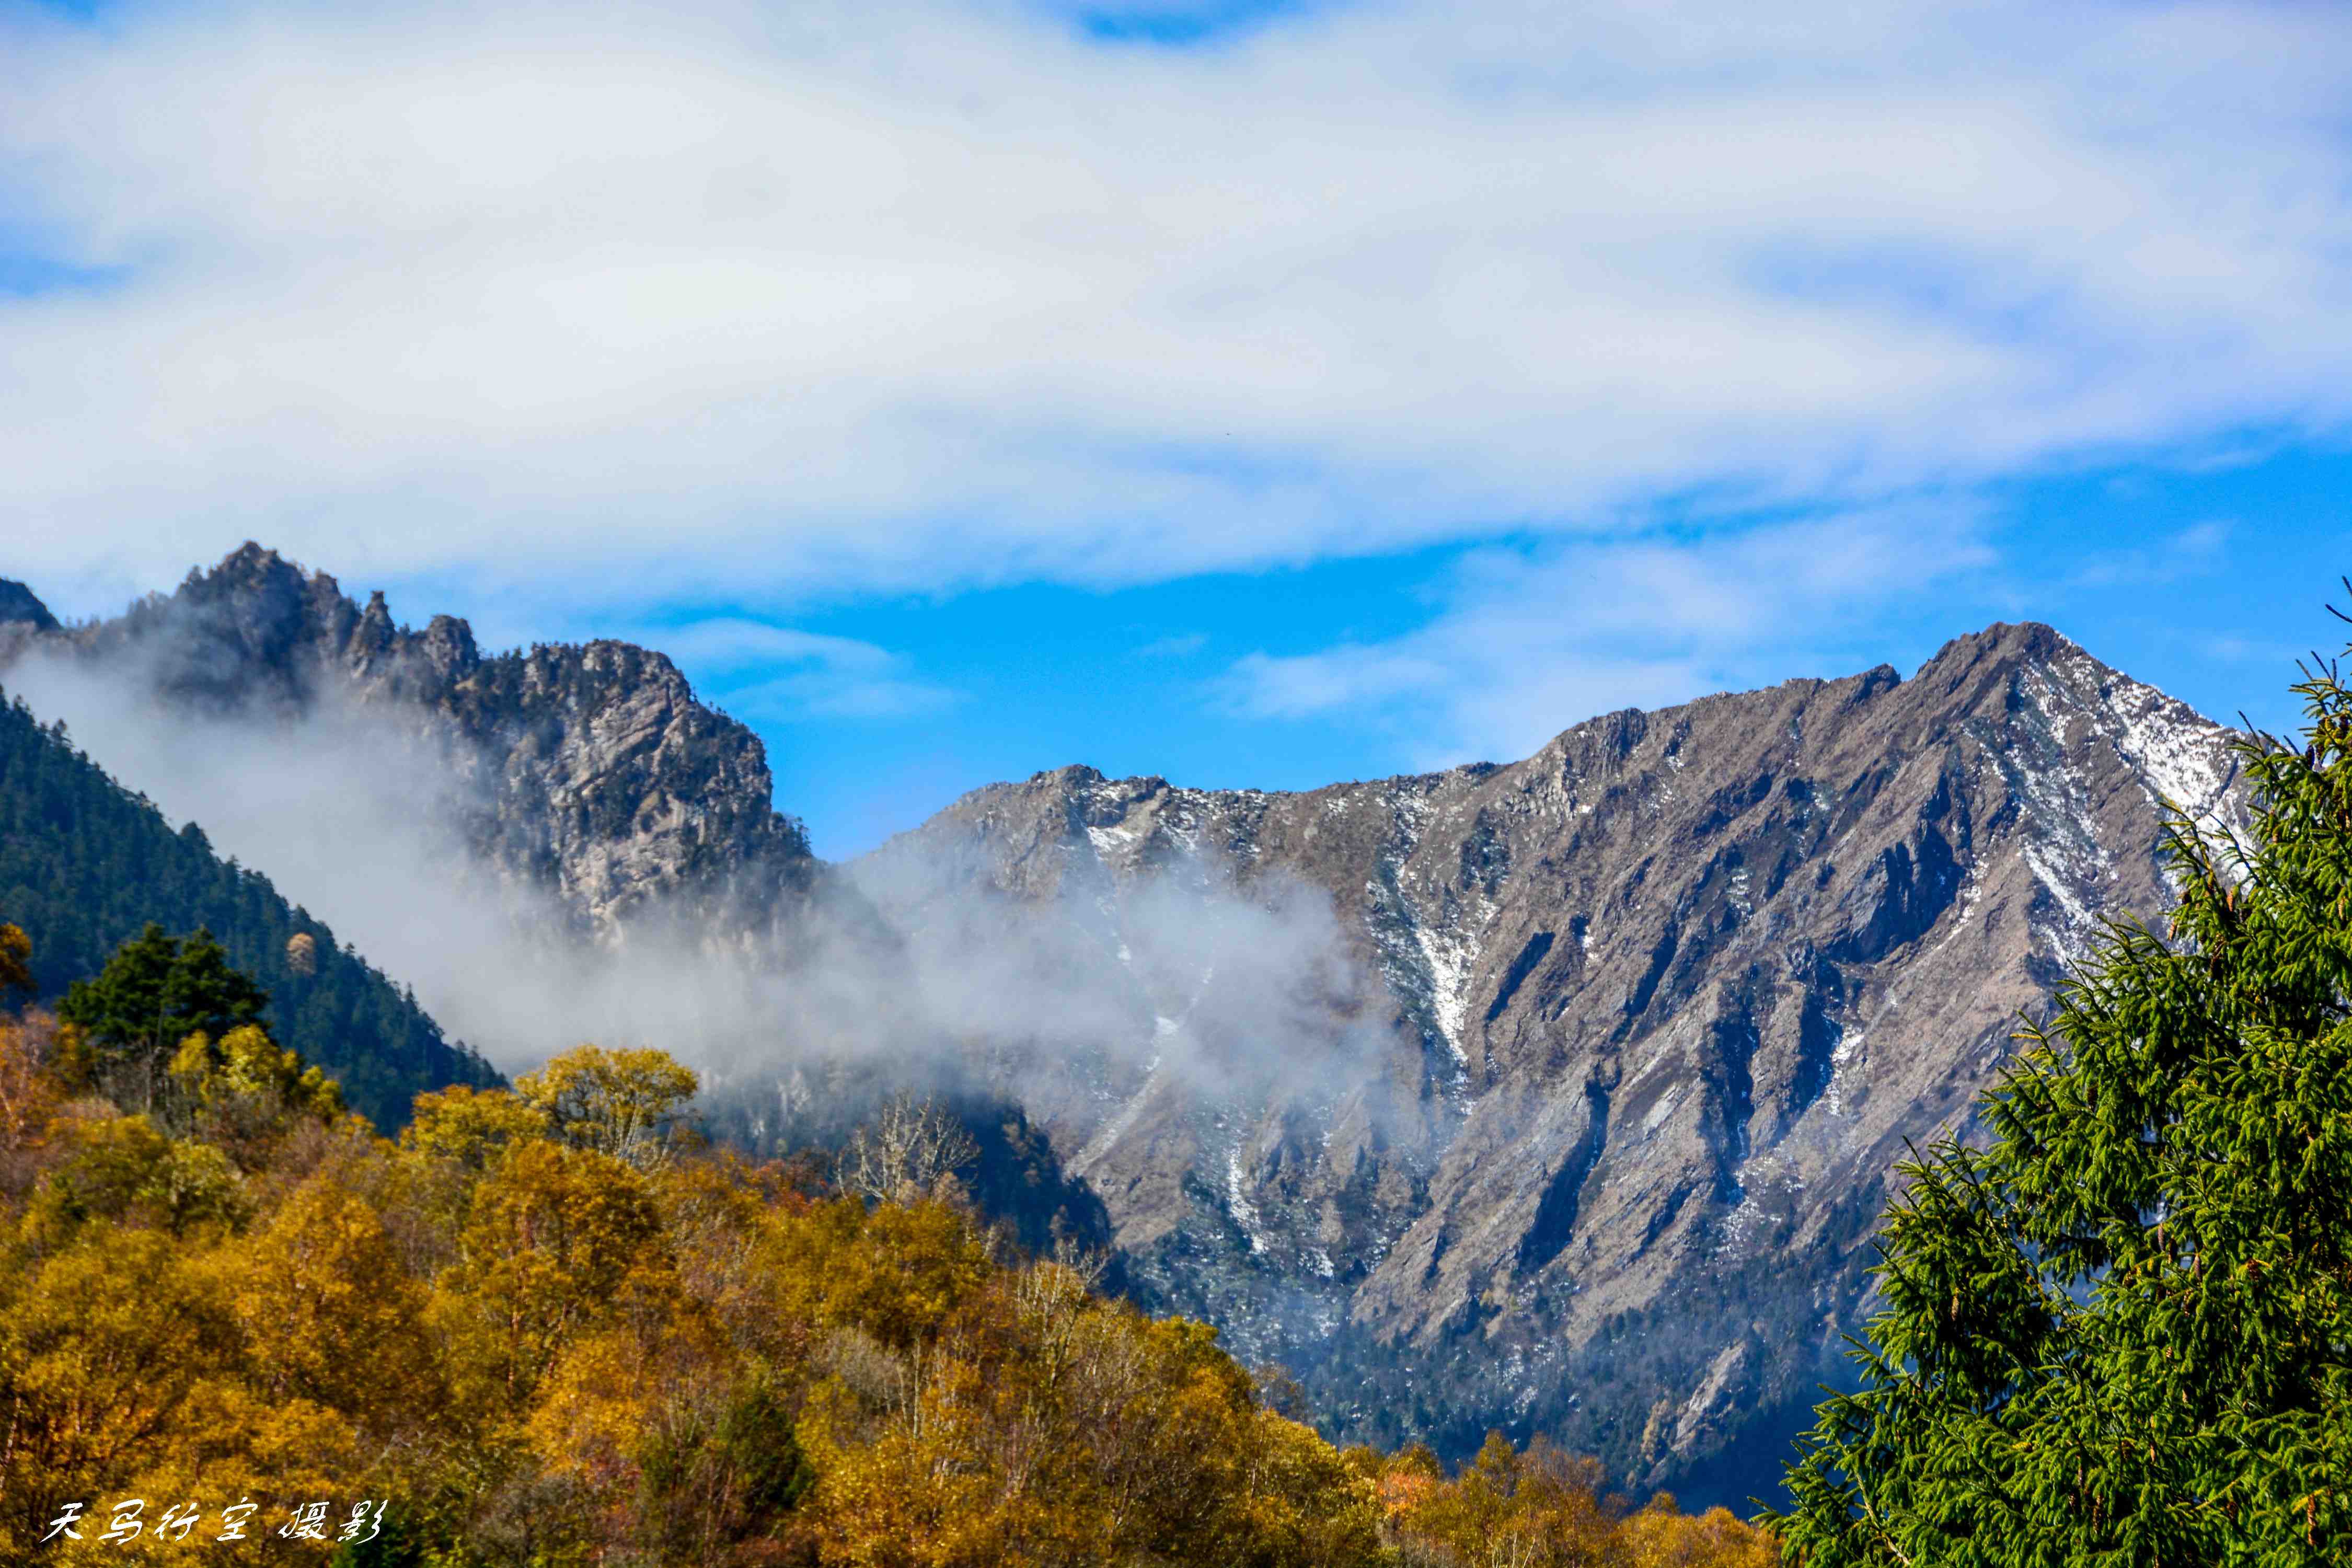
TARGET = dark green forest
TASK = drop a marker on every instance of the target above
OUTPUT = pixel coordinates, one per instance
(85, 865)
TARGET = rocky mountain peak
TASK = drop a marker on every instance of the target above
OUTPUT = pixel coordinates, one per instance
(588, 770)
(448, 645)
(2008, 639)
(265, 606)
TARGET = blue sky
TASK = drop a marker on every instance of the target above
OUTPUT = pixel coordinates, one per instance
(1244, 394)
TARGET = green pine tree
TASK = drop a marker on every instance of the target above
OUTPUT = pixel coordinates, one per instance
(157, 990)
(2119, 1332)
(154, 992)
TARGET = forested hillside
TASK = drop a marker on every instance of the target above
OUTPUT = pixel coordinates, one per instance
(85, 865)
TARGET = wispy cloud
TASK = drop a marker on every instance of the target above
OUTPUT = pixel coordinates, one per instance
(766, 672)
(1531, 641)
(1180, 645)
(2191, 552)
(913, 295)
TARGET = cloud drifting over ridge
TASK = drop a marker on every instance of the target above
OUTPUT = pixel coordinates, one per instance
(765, 671)
(908, 295)
(1529, 641)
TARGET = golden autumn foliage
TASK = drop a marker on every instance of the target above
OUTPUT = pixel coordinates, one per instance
(16, 958)
(1541, 1507)
(623, 1103)
(553, 1333)
(470, 1127)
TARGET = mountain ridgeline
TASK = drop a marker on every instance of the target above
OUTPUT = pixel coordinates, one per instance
(1576, 1108)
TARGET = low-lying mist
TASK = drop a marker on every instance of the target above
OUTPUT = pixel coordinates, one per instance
(373, 816)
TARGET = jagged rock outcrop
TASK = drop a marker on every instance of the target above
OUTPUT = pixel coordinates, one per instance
(1665, 1002)
(590, 771)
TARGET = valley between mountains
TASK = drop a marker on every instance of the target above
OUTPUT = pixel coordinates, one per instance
(1560, 1095)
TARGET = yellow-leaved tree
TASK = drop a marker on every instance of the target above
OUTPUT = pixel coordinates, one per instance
(626, 1103)
(16, 958)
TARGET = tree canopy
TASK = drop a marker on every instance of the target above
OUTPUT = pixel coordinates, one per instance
(625, 1103)
(2118, 1332)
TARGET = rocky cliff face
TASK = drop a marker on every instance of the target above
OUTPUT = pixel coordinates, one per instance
(589, 771)
(1663, 1004)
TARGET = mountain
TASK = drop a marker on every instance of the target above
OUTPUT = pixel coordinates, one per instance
(85, 865)
(587, 771)
(1664, 1002)
(1558, 1096)
(20, 606)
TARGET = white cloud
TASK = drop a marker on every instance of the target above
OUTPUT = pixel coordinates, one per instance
(896, 294)
(763, 671)
(1530, 642)
(2197, 550)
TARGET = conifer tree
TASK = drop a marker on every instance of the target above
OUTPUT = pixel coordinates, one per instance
(2119, 1333)
(157, 990)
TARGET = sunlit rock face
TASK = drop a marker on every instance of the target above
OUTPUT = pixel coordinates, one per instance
(1602, 1112)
